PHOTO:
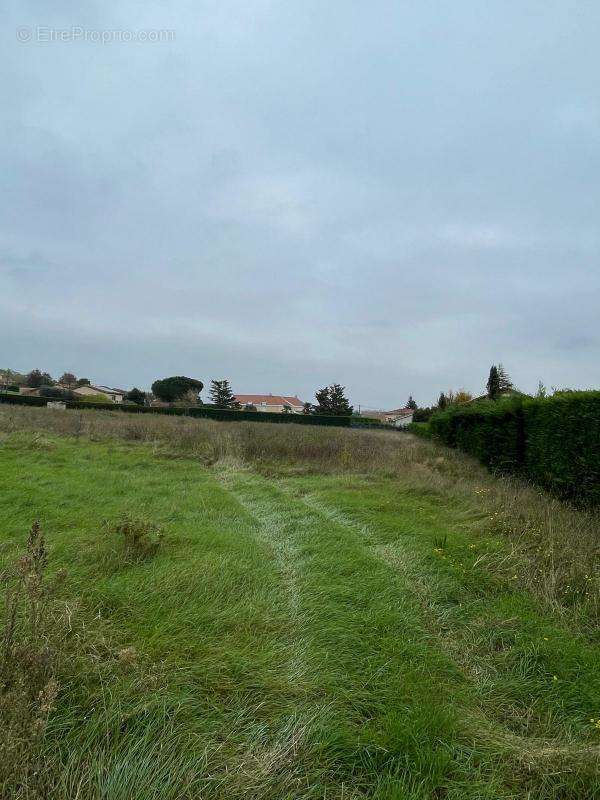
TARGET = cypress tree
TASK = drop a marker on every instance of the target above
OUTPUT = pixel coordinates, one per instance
(493, 384)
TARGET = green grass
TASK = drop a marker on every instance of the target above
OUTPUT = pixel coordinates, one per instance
(303, 631)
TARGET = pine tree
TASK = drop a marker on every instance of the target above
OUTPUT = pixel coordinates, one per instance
(221, 395)
(493, 384)
(442, 402)
(411, 403)
(505, 382)
(172, 389)
(332, 400)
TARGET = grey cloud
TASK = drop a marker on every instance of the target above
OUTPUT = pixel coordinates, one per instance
(391, 196)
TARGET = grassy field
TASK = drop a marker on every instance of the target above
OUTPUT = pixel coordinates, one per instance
(255, 611)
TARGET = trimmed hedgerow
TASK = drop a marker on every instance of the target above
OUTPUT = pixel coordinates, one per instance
(367, 422)
(562, 450)
(421, 429)
(23, 399)
(210, 412)
(554, 442)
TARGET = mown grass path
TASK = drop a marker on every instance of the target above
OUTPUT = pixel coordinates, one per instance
(434, 652)
(324, 636)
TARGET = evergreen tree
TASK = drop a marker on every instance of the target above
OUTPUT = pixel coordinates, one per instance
(504, 381)
(493, 384)
(332, 400)
(136, 396)
(221, 395)
(175, 388)
(411, 403)
(322, 406)
(442, 402)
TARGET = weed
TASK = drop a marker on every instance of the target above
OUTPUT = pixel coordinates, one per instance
(140, 537)
(28, 686)
(440, 542)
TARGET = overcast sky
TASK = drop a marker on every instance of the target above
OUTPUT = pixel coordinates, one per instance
(287, 193)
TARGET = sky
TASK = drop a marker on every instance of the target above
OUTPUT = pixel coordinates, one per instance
(389, 195)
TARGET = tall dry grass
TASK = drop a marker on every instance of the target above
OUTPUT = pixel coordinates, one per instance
(32, 643)
(555, 548)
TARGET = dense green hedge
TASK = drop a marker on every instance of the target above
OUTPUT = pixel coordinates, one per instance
(209, 412)
(554, 441)
(366, 422)
(421, 429)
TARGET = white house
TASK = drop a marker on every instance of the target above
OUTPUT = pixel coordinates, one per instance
(398, 417)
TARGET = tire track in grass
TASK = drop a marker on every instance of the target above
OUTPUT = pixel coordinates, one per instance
(268, 533)
(408, 564)
(273, 762)
(382, 701)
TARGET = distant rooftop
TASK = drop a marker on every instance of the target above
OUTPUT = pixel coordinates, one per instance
(269, 399)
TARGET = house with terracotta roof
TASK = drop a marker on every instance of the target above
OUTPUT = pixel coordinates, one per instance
(276, 403)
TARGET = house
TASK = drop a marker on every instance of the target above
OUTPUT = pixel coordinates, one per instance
(275, 403)
(29, 391)
(398, 417)
(112, 395)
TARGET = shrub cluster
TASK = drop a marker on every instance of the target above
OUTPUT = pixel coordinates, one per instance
(554, 441)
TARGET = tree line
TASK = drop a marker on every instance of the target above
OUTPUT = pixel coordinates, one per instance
(330, 400)
(37, 379)
(175, 389)
(182, 390)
